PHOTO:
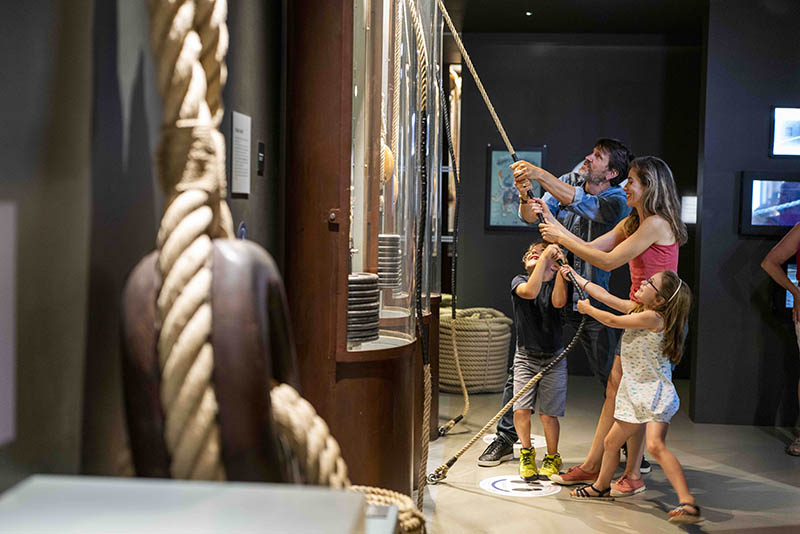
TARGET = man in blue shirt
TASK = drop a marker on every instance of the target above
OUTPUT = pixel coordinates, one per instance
(589, 203)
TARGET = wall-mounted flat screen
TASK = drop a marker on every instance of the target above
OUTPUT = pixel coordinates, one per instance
(785, 132)
(791, 272)
(770, 203)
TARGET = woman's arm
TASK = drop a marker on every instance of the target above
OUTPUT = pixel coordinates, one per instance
(554, 229)
(647, 319)
(785, 249)
(650, 230)
(598, 293)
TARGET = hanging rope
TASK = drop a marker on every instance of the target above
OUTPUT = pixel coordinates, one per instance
(422, 149)
(320, 458)
(444, 429)
(189, 40)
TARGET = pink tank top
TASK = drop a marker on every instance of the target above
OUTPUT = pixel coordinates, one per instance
(655, 259)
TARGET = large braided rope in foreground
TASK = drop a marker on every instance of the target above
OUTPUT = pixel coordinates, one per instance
(189, 40)
(319, 455)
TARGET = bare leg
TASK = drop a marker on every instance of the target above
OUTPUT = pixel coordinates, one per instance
(620, 431)
(635, 454)
(552, 428)
(595, 457)
(656, 435)
(522, 424)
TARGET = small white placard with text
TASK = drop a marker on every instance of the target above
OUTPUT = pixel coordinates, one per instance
(240, 154)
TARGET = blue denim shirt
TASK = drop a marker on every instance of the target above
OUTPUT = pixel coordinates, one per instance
(588, 217)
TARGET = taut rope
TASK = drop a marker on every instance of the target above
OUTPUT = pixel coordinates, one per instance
(441, 472)
(189, 40)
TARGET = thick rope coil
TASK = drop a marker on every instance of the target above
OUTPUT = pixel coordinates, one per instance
(320, 458)
(189, 40)
(480, 337)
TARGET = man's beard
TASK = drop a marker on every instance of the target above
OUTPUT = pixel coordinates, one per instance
(587, 175)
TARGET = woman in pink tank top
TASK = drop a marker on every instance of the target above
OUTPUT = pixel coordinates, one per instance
(787, 247)
(648, 240)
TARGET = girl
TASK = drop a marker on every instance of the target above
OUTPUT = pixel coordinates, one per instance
(651, 344)
(648, 240)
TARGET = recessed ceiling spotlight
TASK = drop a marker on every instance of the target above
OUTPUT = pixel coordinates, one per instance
(528, 13)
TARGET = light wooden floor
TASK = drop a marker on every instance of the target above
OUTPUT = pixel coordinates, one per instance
(740, 475)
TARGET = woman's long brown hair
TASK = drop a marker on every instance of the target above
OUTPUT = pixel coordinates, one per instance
(660, 196)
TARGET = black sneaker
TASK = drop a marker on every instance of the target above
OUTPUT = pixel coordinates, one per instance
(497, 452)
(645, 467)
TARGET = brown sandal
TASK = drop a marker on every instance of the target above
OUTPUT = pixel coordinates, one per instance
(683, 516)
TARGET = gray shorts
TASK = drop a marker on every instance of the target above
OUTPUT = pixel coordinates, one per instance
(550, 390)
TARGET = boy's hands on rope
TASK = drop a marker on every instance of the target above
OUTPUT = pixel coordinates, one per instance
(553, 253)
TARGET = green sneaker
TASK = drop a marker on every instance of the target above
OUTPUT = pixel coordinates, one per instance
(527, 464)
(551, 465)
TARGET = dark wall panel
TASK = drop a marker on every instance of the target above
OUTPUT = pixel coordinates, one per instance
(747, 365)
(566, 91)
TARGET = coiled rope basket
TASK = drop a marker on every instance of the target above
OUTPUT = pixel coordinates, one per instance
(483, 336)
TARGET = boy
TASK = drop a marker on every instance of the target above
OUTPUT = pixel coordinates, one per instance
(537, 298)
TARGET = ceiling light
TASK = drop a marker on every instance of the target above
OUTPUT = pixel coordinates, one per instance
(528, 13)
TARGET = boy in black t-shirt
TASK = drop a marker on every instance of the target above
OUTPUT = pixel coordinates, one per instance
(536, 299)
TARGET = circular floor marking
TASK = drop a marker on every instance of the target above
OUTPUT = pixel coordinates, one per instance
(513, 486)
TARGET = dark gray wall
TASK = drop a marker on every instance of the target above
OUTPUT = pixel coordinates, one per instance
(45, 105)
(566, 91)
(126, 201)
(747, 366)
(254, 86)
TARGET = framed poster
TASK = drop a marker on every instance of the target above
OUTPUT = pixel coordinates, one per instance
(502, 197)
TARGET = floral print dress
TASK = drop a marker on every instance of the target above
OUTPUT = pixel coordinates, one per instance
(646, 392)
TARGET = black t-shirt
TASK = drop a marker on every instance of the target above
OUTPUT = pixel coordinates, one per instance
(537, 321)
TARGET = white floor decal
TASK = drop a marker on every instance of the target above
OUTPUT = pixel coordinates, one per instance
(513, 486)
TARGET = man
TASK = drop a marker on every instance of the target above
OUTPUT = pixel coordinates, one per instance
(588, 203)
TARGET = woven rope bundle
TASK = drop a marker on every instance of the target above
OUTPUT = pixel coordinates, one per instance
(319, 457)
(482, 336)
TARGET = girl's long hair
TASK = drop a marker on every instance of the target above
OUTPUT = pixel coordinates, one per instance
(660, 196)
(674, 309)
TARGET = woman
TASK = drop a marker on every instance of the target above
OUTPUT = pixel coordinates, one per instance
(648, 240)
(787, 247)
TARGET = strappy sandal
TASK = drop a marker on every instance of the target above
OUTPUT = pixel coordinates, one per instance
(683, 516)
(582, 494)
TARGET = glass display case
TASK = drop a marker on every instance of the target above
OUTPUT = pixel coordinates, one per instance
(385, 171)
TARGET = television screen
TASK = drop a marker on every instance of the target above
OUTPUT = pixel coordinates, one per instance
(786, 132)
(770, 203)
(775, 203)
(791, 272)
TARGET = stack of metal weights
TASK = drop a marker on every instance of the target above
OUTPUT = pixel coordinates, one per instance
(389, 258)
(362, 307)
